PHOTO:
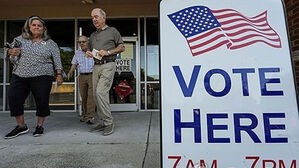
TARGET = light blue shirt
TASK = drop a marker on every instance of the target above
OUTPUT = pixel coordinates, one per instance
(84, 64)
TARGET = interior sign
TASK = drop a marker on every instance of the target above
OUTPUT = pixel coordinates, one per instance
(123, 65)
(227, 85)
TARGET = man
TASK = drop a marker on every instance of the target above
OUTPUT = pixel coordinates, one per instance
(85, 67)
(108, 42)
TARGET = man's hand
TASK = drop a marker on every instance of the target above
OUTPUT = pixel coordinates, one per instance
(69, 75)
(89, 54)
(103, 53)
(14, 51)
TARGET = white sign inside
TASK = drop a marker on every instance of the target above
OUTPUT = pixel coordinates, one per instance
(228, 94)
(123, 65)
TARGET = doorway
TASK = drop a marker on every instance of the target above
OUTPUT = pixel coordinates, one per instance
(124, 93)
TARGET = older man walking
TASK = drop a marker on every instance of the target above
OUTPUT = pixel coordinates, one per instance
(106, 42)
(85, 68)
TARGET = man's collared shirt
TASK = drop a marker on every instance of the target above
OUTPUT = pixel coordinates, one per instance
(107, 38)
(84, 64)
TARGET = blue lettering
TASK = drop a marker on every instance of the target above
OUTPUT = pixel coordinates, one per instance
(248, 128)
(212, 127)
(207, 84)
(264, 81)
(243, 73)
(178, 125)
(187, 91)
(268, 127)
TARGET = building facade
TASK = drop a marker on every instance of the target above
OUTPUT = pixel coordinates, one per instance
(138, 67)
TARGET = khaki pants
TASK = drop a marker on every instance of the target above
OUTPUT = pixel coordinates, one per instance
(103, 76)
(86, 92)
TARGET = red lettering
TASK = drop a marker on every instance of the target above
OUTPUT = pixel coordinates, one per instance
(214, 164)
(255, 158)
(178, 158)
(269, 161)
(202, 164)
(190, 163)
(282, 165)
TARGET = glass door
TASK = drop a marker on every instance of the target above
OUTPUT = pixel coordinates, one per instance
(124, 92)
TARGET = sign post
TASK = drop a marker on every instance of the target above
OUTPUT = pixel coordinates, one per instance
(227, 85)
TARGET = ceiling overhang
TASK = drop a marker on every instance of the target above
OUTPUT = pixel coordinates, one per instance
(17, 9)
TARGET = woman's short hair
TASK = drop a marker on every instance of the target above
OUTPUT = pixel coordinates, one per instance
(26, 33)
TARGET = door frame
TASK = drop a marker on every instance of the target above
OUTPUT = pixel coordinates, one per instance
(131, 106)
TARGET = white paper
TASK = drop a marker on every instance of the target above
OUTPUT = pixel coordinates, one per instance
(95, 54)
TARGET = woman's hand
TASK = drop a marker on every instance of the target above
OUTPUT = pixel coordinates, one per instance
(59, 80)
(14, 51)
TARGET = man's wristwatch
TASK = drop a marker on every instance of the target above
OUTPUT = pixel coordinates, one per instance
(109, 53)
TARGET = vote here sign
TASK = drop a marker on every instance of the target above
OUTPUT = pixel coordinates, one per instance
(228, 91)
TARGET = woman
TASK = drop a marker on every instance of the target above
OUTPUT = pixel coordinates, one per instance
(34, 58)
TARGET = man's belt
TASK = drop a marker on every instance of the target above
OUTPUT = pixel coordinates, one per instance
(100, 62)
(88, 73)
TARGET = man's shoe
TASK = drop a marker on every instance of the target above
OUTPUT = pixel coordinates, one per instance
(17, 131)
(83, 119)
(90, 120)
(108, 130)
(99, 127)
(39, 130)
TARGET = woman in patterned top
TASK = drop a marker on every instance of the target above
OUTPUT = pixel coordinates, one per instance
(35, 56)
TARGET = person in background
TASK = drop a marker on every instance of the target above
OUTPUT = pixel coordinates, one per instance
(107, 43)
(85, 67)
(34, 60)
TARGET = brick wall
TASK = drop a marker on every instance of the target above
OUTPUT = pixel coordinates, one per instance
(292, 9)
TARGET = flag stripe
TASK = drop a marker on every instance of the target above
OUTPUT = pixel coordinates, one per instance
(252, 42)
(210, 48)
(203, 35)
(249, 30)
(251, 36)
(209, 45)
(241, 19)
(240, 26)
(207, 42)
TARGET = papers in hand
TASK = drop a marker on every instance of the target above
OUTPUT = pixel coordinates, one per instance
(95, 54)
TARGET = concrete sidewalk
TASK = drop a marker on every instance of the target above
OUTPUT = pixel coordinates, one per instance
(68, 144)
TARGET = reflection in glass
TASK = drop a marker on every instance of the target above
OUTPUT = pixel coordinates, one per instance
(1, 97)
(142, 56)
(62, 95)
(142, 96)
(1, 52)
(123, 89)
(14, 29)
(62, 32)
(1, 33)
(142, 63)
(153, 96)
(152, 55)
(152, 63)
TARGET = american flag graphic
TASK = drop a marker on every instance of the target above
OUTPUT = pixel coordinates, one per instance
(206, 29)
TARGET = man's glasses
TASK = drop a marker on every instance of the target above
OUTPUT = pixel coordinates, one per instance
(82, 42)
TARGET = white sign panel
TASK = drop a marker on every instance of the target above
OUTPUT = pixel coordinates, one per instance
(123, 65)
(228, 94)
